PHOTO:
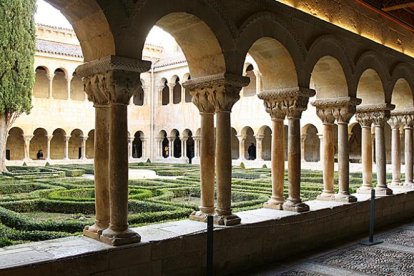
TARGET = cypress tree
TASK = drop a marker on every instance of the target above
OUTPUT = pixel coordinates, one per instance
(17, 47)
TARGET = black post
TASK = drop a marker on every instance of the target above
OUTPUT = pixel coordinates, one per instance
(210, 230)
(371, 240)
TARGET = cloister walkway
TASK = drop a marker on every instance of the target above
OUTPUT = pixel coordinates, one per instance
(393, 257)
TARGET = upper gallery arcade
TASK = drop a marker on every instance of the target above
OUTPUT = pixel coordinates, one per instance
(353, 63)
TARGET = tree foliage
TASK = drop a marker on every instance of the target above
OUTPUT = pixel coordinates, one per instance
(17, 47)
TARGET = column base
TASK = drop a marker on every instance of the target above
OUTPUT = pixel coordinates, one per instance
(383, 191)
(200, 216)
(408, 185)
(326, 196)
(396, 183)
(116, 238)
(93, 232)
(297, 207)
(364, 190)
(345, 198)
(227, 220)
(274, 203)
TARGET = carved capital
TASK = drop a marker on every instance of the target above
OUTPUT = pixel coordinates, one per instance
(340, 109)
(290, 102)
(376, 114)
(405, 117)
(222, 91)
(112, 79)
(200, 98)
(395, 122)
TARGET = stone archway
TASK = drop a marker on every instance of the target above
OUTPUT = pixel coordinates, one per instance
(90, 145)
(15, 144)
(137, 145)
(235, 153)
(176, 91)
(59, 85)
(41, 85)
(75, 144)
(76, 89)
(355, 143)
(265, 134)
(39, 143)
(57, 144)
(311, 144)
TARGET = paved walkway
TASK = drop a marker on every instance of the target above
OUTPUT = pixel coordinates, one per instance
(393, 257)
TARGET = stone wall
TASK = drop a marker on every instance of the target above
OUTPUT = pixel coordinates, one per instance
(235, 249)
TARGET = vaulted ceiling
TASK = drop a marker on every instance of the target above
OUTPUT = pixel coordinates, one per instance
(402, 10)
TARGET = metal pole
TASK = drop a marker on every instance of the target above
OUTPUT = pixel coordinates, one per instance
(371, 240)
(372, 216)
(210, 229)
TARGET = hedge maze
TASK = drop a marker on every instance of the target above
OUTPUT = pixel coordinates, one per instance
(39, 203)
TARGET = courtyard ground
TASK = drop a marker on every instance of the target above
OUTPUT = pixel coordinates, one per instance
(395, 256)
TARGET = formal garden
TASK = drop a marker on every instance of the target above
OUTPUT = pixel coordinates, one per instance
(40, 203)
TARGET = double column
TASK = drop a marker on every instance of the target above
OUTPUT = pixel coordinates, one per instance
(218, 94)
(406, 117)
(340, 110)
(378, 116)
(279, 104)
(110, 82)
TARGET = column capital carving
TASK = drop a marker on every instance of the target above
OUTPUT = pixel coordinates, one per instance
(259, 136)
(112, 79)
(290, 102)
(28, 137)
(341, 109)
(405, 117)
(221, 91)
(395, 122)
(374, 114)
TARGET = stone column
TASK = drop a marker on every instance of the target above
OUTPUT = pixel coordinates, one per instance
(83, 151)
(27, 139)
(242, 147)
(378, 115)
(49, 139)
(325, 113)
(68, 79)
(274, 108)
(366, 152)
(108, 79)
(259, 145)
(200, 91)
(302, 147)
(407, 120)
(343, 114)
(130, 148)
(171, 147)
(197, 146)
(395, 123)
(50, 78)
(66, 154)
(171, 92)
(159, 148)
(144, 147)
(184, 140)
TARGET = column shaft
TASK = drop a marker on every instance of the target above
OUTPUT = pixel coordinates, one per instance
(278, 165)
(380, 157)
(223, 163)
(293, 203)
(343, 164)
(49, 139)
(328, 163)
(408, 134)
(259, 144)
(66, 154)
(101, 164)
(366, 156)
(396, 156)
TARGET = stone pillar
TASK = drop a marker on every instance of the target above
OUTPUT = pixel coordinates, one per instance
(325, 113)
(259, 146)
(49, 139)
(273, 107)
(407, 120)
(184, 140)
(242, 147)
(378, 115)
(197, 146)
(66, 154)
(144, 147)
(83, 151)
(50, 78)
(366, 152)
(200, 91)
(107, 82)
(302, 147)
(291, 101)
(395, 123)
(171, 146)
(258, 81)
(130, 148)
(27, 139)
(159, 148)
(171, 92)
(68, 79)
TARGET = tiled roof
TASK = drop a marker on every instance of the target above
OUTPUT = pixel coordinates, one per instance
(58, 48)
(180, 59)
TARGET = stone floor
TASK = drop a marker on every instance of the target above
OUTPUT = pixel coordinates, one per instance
(395, 256)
